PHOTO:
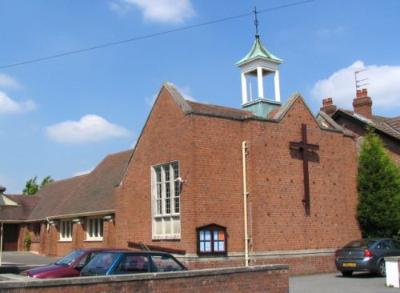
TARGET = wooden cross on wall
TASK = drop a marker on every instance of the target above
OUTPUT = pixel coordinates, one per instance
(305, 149)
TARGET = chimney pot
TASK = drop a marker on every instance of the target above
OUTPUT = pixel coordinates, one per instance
(326, 102)
(362, 104)
(327, 106)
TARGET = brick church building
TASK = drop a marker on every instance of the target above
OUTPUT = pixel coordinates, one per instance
(217, 186)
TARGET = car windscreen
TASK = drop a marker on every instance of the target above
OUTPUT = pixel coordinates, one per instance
(70, 258)
(362, 243)
(100, 264)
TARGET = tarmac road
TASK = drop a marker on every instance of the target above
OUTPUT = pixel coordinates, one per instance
(335, 283)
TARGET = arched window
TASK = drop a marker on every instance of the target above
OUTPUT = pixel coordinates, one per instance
(211, 240)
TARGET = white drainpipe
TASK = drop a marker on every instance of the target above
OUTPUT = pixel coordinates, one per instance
(1, 242)
(246, 236)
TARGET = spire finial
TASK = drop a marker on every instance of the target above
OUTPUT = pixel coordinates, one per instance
(256, 21)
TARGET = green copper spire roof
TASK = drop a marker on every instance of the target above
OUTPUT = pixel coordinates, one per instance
(259, 51)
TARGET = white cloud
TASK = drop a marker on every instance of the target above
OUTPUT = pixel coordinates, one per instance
(185, 91)
(90, 128)
(84, 172)
(383, 85)
(165, 11)
(8, 105)
(8, 81)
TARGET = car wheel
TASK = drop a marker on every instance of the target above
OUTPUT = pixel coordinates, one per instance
(347, 273)
(382, 268)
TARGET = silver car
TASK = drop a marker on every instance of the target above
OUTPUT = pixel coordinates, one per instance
(366, 255)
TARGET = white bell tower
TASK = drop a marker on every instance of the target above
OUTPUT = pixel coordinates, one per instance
(259, 63)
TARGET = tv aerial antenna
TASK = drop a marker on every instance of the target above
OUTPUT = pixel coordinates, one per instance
(360, 82)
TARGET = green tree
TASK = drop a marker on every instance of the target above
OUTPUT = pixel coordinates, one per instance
(378, 190)
(32, 187)
(46, 180)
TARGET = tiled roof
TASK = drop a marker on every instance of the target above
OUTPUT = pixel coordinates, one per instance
(54, 196)
(88, 193)
(190, 107)
(21, 212)
(389, 126)
(219, 111)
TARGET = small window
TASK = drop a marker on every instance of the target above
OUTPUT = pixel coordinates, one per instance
(94, 229)
(211, 240)
(65, 230)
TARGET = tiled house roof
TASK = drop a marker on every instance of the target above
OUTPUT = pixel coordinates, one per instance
(388, 126)
(88, 193)
(21, 212)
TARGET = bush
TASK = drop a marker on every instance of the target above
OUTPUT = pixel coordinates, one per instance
(27, 241)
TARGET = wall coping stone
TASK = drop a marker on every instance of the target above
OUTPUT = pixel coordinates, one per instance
(392, 258)
(35, 283)
(265, 254)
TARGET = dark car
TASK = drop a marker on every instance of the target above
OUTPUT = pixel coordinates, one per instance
(68, 266)
(366, 255)
(122, 262)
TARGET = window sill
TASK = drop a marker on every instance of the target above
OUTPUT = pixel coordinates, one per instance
(65, 240)
(93, 240)
(213, 255)
(171, 215)
(166, 237)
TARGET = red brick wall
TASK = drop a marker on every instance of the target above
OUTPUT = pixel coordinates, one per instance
(49, 242)
(254, 279)
(166, 137)
(276, 186)
(209, 152)
(297, 265)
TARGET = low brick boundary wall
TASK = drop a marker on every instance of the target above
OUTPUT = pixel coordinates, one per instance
(308, 262)
(265, 278)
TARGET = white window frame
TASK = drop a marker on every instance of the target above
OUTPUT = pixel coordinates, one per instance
(97, 224)
(66, 227)
(165, 199)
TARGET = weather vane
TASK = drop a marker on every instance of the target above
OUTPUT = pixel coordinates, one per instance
(256, 20)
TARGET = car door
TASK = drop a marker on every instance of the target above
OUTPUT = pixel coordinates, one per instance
(132, 264)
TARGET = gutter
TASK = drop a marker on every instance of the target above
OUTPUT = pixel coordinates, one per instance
(65, 216)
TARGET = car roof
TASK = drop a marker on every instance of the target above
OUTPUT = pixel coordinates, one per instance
(100, 249)
(139, 252)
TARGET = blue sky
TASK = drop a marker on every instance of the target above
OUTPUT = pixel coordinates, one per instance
(62, 116)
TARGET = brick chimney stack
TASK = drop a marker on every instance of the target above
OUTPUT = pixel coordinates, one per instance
(328, 107)
(362, 104)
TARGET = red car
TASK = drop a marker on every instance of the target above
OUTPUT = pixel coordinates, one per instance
(69, 266)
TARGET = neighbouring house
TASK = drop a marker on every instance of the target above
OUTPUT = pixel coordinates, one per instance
(218, 186)
(357, 120)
